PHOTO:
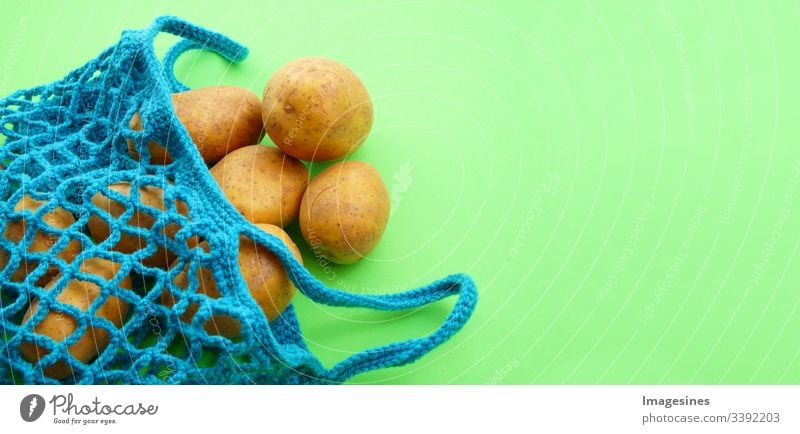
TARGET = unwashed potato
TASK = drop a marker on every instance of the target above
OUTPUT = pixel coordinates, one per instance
(262, 271)
(316, 109)
(59, 325)
(219, 119)
(263, 184)
(344, 211)
(149, 196)
(58, 218)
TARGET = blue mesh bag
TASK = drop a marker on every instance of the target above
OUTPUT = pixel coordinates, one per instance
(66, 141)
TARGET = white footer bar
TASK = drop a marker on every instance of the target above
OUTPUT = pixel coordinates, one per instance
(401, 409)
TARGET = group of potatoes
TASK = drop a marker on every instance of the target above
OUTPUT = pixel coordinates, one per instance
(313, 109)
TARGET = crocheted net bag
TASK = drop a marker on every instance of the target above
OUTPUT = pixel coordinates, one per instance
(65, 142)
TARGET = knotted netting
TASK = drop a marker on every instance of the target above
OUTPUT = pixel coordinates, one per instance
(66, 142)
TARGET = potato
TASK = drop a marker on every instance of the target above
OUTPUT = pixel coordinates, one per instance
(268, 282)
(58, 325)
(58, 218)
(316, 109)
(263, 184)
(344, 211)
(219, 119)
(150, 196)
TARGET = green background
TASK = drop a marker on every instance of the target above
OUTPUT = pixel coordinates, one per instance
(619, 177)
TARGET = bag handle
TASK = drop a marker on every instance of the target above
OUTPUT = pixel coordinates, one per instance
(395, 354)
(194, 38)
(404, 352)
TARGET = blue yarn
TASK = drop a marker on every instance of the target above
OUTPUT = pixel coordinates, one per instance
(66, 141)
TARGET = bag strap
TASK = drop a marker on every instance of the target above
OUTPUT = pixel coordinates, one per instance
(193, 37)
(401, 353)
(395, 354)
(171, 57)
